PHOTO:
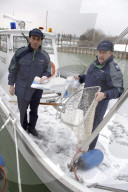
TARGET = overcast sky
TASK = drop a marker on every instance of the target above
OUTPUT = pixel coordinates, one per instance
(69, 16)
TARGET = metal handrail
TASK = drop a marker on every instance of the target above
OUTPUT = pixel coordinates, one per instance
(121, 35)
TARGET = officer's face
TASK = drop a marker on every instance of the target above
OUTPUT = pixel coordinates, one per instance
(35, 42)
(103, 55)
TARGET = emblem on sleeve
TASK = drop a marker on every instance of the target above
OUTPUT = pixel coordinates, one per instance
(117, 67)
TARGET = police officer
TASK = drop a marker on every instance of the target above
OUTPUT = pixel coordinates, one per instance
(27, 63)
(103, 72)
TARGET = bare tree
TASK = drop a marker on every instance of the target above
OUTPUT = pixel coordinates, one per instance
(93, 35)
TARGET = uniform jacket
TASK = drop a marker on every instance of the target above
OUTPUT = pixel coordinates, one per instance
(25, 65)
(108, 76)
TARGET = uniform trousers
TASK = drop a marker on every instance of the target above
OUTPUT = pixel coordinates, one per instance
(29, 123)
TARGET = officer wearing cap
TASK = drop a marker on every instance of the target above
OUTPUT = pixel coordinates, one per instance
(27, 63)
(103, 72)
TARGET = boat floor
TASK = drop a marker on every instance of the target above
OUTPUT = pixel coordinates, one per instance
(59, 143)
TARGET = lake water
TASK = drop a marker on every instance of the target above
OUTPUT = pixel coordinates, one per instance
(78, 63)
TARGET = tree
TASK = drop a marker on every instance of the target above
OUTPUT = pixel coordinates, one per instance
(93, 35)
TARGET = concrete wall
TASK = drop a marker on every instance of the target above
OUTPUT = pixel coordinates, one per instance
(90, 51)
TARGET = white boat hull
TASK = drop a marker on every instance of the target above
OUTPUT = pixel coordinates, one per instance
(46, 171)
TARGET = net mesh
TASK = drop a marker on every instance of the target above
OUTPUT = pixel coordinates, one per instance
(78, 112)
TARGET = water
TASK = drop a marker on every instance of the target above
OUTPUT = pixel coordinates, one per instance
(80, 62)
(76, 62)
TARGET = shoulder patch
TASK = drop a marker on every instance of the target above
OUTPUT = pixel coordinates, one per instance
(117, 67)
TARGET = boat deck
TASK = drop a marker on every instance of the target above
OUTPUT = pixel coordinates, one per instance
(59, 143)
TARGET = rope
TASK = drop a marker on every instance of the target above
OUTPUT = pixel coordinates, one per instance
(4, 176)
(17, 157)
(4, 125)
(75, 168)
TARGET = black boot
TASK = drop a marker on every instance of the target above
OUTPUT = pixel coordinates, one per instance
(33, 132)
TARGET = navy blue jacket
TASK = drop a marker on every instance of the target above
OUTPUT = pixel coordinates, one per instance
(108, 76)
(25, 65)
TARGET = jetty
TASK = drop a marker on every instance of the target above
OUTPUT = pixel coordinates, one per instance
(76, 46)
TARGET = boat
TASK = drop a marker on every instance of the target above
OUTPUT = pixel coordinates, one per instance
(42, 154)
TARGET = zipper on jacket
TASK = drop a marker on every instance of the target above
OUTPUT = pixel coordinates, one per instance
(33, 57)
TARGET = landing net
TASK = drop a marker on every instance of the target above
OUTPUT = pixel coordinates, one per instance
(78, 112)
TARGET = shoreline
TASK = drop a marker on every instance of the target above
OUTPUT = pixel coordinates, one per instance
(90, 51)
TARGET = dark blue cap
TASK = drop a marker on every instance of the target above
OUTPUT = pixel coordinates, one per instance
(105, 45)
(36, 32)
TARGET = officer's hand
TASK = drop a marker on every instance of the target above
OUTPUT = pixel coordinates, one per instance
(99, 96)
(12, 90)
(76, 78)
(42, 79)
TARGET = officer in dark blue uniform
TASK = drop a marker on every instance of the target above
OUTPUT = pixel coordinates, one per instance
(103, 72)
(27, 63)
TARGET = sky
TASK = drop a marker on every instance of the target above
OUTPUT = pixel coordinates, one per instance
(69, 16)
